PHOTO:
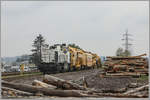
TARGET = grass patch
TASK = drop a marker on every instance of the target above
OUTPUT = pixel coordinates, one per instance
(143, 78)
(22, 75)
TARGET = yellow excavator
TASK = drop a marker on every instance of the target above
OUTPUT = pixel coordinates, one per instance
(81, 58)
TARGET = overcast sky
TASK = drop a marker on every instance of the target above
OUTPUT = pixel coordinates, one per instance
(96, 26)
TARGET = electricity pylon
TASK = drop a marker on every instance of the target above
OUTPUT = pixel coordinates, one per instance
(127, 39)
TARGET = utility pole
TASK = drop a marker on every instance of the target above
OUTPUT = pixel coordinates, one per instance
(127, 44)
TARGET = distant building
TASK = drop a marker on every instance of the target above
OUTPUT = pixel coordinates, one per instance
(7, 68)
(15, 68)
(29, 67)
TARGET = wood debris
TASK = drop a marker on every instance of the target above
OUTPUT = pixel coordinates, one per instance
(65, 89)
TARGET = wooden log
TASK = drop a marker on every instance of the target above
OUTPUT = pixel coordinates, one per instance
(120, 68)
(60, 83)
(130, 57)
(137, 89)
(42, 84)
(109, 76)
(133, 85)
(15, 92)
(64, 93)
(85, 85)
(45, 91)
(22, 87)
(125, 74)
(111, 72)
(118, 95)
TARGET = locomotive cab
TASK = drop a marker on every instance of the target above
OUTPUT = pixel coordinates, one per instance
(54, 59)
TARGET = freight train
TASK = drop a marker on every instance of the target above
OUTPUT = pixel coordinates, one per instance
(62, 58)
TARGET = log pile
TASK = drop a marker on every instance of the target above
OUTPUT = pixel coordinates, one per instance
(52, 86)
(137, 64)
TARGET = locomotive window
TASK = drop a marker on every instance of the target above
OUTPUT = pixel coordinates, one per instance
(56, 56)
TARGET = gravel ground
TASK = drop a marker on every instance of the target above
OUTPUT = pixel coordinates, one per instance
(66, 76)
(92, 77)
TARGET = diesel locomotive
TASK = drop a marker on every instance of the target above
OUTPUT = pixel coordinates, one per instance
(62, 58)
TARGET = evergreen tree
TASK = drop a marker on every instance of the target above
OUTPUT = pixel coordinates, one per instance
(37, 44)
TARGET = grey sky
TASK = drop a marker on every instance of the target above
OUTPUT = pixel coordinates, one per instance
(94, 25)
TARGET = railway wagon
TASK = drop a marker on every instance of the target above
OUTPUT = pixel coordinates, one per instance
(62, 58)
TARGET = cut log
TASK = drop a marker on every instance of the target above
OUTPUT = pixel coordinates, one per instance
(137, 89)
(15, 92)
(117, 76)
(136, 75)
(64, 93)
(134, 85)
(118, 95)
(85, 85)
(45, 91)
(130, 57)
(22, 87)
(42, 84)
(60, 83)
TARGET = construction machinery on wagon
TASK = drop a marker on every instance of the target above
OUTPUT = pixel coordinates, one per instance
(62, 58)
